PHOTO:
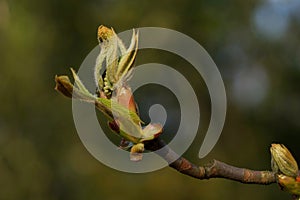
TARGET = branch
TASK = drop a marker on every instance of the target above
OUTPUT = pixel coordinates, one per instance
(118, 71)
(214, 169)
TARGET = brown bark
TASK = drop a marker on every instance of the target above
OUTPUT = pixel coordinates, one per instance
(213, 169)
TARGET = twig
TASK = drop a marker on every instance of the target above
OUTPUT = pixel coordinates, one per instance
(214, 169)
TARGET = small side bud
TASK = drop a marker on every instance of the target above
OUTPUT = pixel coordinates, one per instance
(136, 153)
(64, 86)
(283, 161)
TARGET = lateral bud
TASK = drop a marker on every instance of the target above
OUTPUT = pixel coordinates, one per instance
(282, 161)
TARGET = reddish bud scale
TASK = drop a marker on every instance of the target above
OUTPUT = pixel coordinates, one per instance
(125, 98)
(113, 125)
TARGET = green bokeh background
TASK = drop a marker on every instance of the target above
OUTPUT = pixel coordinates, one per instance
(41, 155)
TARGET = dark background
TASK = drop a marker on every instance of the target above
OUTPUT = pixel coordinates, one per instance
(255, 44)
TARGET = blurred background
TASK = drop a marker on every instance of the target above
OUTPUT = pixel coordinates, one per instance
(255, 44)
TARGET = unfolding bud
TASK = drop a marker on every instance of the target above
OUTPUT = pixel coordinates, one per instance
(289, 184)
(113, 94)
(282, 161)
(136, 153)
